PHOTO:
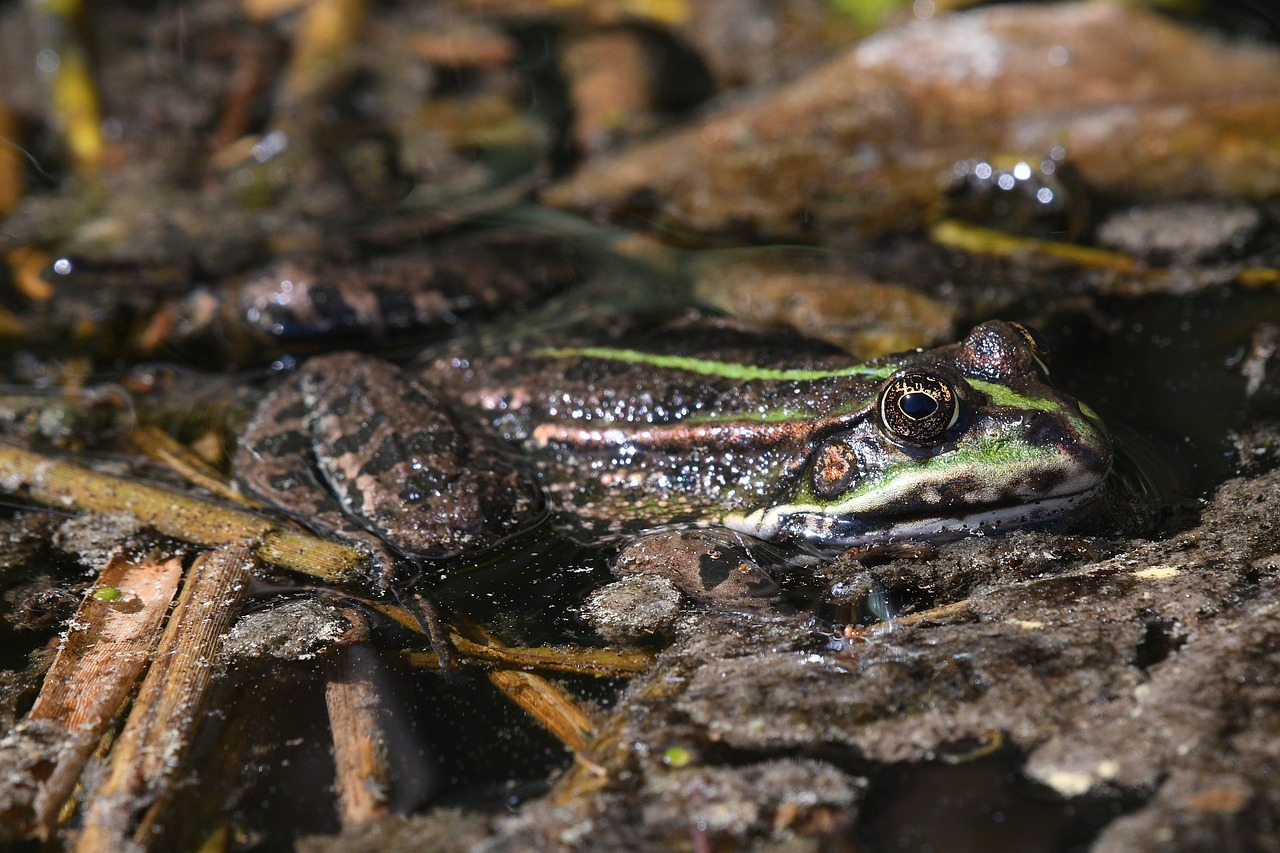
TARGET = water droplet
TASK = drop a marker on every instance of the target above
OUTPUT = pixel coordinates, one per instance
(48, 62)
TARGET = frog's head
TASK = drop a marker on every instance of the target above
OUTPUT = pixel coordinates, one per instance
(966, 438)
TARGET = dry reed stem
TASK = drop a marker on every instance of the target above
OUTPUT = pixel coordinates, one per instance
(171, 704)
(66, 486)
(106, 648)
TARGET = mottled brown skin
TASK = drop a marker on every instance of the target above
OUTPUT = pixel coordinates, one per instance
(320, 298)
(356, 447)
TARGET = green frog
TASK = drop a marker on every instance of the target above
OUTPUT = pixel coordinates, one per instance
(693, 425)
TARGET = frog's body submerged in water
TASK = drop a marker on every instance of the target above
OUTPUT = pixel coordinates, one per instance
(821, 451)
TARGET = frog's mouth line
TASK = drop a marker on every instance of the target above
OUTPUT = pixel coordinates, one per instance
(826, 532)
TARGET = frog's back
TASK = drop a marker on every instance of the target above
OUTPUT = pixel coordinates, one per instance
(678, 423)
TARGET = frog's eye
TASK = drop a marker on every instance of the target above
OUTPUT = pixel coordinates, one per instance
(919, 408)
(1039, 346)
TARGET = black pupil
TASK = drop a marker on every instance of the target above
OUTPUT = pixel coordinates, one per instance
(918, 405)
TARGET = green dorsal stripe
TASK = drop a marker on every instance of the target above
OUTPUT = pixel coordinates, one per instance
(707, 367)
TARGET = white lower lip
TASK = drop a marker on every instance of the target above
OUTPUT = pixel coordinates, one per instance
(988, 521)
(991, 521)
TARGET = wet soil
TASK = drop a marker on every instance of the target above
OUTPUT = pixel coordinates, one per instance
(1127, 702)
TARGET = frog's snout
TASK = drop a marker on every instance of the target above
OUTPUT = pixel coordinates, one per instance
(1077, 442)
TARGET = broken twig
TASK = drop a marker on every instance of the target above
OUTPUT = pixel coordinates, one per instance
(359, 740)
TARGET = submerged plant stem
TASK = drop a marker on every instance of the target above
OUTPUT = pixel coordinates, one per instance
(612, 663)
(988, 241)
(551, 705)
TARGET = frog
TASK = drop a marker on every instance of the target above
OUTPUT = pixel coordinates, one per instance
(698, 424)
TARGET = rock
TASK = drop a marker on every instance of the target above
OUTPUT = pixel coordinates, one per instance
(1140, 106)
(633, 608)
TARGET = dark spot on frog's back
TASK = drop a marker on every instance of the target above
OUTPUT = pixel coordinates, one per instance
(343, 390)
(357, 440)
(1044, 482)
(277, 429)
(422, 454)
(1044, 430)
(285, 443)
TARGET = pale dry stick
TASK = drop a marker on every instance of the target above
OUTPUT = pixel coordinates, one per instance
(552, 706)
(476, 47)
(612, 750)
(65, 486)
(942, 611)
(557, 711)
(165, 719)
(976, 239)
(107, 646)
(359, 741)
